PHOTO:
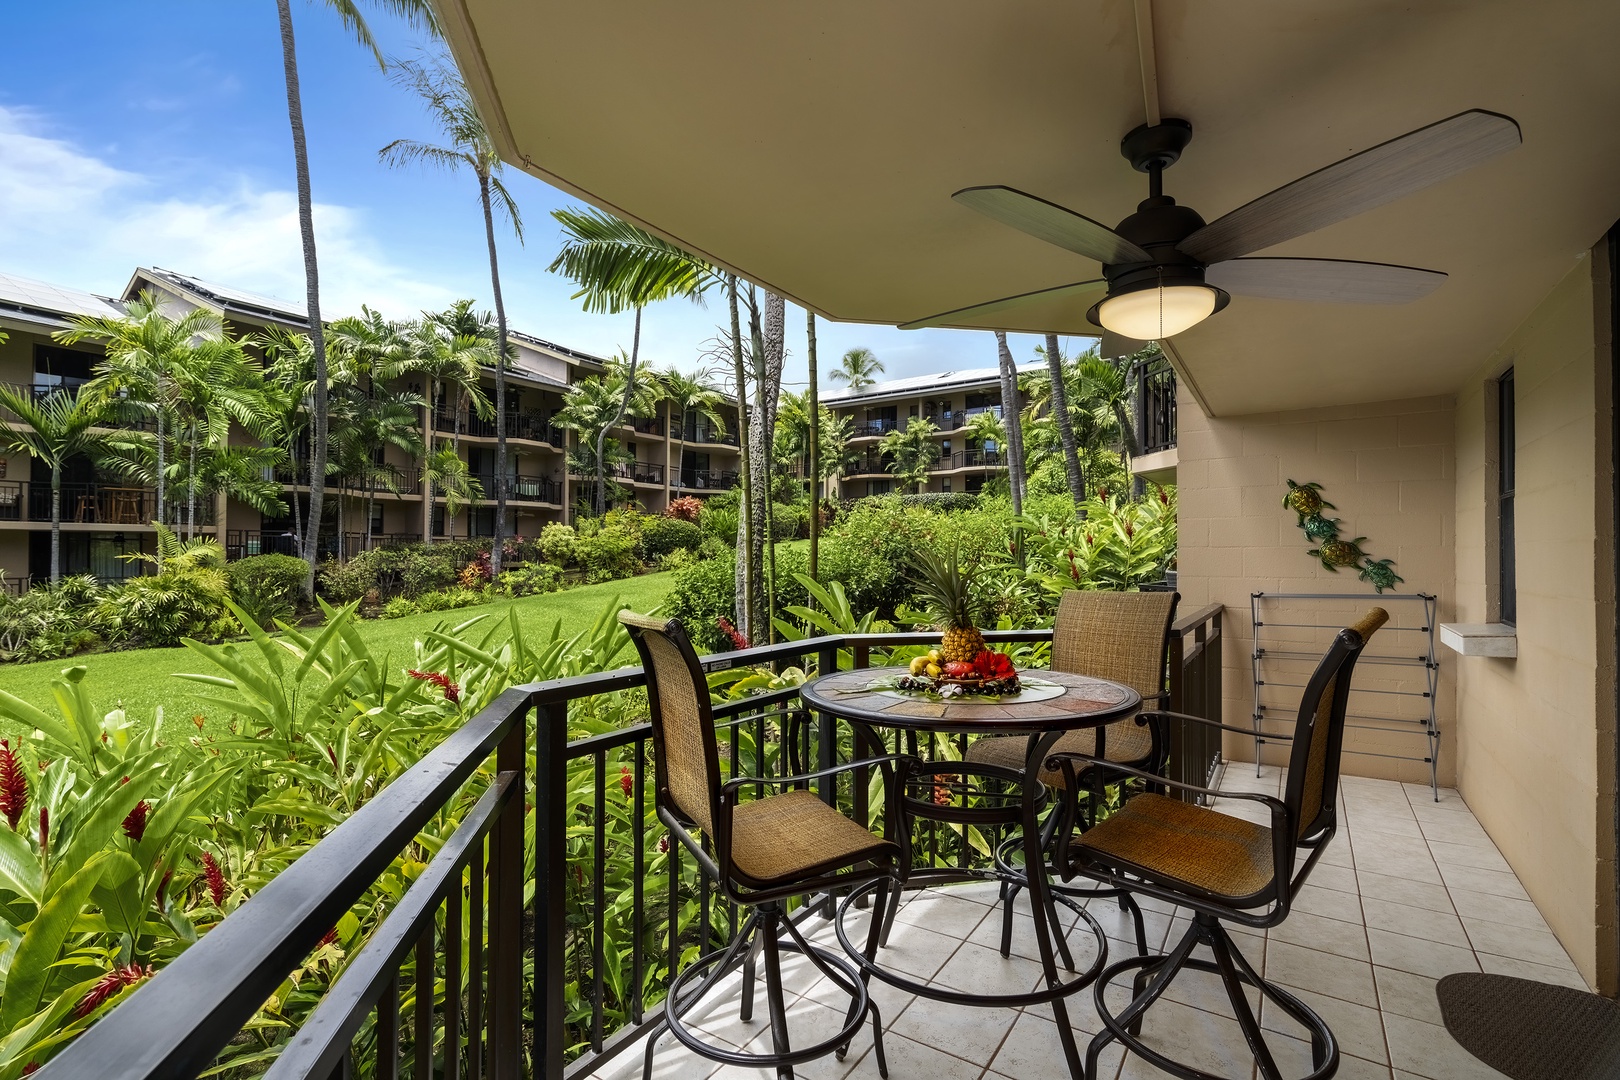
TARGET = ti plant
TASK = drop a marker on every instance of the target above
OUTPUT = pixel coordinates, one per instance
(1334, 551)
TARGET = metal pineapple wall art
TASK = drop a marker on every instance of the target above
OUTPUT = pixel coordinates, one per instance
(1306, 501)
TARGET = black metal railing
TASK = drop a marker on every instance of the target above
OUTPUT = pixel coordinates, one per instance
(863, 429)
(523, 488)
(93, 504)
(578, 1004)
(1195, 688)
(14, 586)
(971, 459)
(1155, 406)
(700, 433)
(867, 465)
(646, 425)
(635, 472)
(708, 479)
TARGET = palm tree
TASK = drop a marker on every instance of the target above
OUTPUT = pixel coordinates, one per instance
(420, 13)
(451, 106)
(691, 396)
(617, 266)
(52, 429)
(145, 348)
(859, 369)
(912, 452)
(595, 405)
(1012, 419)
(216, 386)
(1060, 412)
(444, 360)
(815, 448)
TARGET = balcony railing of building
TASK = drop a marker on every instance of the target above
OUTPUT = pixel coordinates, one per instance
(971, 459)
(646, 425)
(708, 479)
(523, 488)
(1155, 406)
(867, 428)
(867, 465)
(116, 418)
(635, 472)
(958, 418)
(91, 504)
(531, 426)
(698, 433)
(469, 1016)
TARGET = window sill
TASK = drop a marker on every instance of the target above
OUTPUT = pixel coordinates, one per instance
(1481, 639)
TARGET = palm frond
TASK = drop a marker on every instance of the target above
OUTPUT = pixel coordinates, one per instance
(619, 266)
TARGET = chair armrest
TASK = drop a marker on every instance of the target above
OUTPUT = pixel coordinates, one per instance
(1167, 715)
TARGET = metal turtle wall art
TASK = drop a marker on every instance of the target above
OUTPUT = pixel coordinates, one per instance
(1306, 501)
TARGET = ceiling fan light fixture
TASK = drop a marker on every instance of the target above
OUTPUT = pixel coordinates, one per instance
(1158, 311)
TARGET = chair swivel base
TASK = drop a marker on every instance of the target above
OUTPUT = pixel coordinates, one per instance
(956, 997)
(1009, 856)
(1154, 974)
(716, 964)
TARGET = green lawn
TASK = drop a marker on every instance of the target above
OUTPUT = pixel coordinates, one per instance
(141, 680)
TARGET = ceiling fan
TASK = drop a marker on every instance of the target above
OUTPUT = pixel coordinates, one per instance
(1165, 270)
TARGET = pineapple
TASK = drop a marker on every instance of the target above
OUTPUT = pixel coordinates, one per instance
(944, 588)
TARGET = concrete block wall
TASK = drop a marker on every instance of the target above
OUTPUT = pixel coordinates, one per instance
(1389, 469)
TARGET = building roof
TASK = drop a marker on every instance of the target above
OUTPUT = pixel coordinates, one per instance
(24, 300)
(939, 382)
(572, 356)
(226, 299)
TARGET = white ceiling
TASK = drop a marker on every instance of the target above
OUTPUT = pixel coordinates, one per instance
(813, 148)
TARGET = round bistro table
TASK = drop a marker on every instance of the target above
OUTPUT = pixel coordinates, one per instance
(1055, 702)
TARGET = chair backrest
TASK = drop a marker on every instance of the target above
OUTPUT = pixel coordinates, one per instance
(1313, 765)
(686, 756)
(1119, 636)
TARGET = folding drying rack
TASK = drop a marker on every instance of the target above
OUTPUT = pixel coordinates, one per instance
(1293, 630)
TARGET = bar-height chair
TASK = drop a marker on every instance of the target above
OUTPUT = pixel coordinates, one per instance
(1120, 636)
(759, 853)
(1224, 868)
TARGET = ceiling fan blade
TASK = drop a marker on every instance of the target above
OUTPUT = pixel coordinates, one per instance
(1006, 303)
(1357, 184)
(1331, 281)
(1053, 223)
(1112, 346)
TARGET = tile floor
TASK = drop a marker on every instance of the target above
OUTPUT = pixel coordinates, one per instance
(1409, 891)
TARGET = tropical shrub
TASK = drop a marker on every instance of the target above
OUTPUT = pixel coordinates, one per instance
(608, 553)
(185, 598)
(790, 521)
(448, 599)
(701, 596)
(399, 607)
(662, 535)
(719, 522)
(49, 622)
(267, 587)
(684, 508)
(529, 579)
(678, 559)
(421, 573)
(557, 544)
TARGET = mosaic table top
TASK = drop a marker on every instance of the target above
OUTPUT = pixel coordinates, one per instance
(1055, 700)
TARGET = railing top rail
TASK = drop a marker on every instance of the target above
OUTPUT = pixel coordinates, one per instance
(177, 1023)
(1194, 619)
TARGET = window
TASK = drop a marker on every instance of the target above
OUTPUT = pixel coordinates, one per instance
(945, 485)
(1507, 577)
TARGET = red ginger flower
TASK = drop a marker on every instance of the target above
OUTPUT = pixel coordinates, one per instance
(31, 1068)
(626, 781)
(135, 823)
(216, 880)
(452, 692)
(13, 786)
(108, 985)
(44, 834)
(738, 639)
(330, 937)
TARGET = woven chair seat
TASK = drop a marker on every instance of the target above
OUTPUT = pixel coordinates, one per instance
(794, 836)
(1178, 844)
(1124, 741)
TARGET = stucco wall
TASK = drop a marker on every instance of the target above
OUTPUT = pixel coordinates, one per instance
(1388, 468)
(1529, 739)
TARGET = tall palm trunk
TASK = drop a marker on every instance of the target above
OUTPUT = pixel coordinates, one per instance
(746, 578)
(773, 353)
(191, 487)
(312, 288)
(1011, 421)
(815, 450)
(501, 479)
(162, 463)
(1060, 410)
(429, 438)
(618, 418)
(56, 522)
(455, 444)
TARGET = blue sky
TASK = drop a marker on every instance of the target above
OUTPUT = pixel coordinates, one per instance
(141, 134)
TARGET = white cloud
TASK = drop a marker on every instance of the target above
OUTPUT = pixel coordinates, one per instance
(67, 216)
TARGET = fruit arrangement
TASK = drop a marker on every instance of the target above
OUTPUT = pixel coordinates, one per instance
(989, 672)
(962, 662)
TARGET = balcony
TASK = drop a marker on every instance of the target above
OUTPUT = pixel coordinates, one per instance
(634, 472)
(523, 488)
(972, 459)
(646, 425)
(868, 465)
(866, 429)
(695, 433)
(1155, 407)
(91, 504)
(708, 479)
